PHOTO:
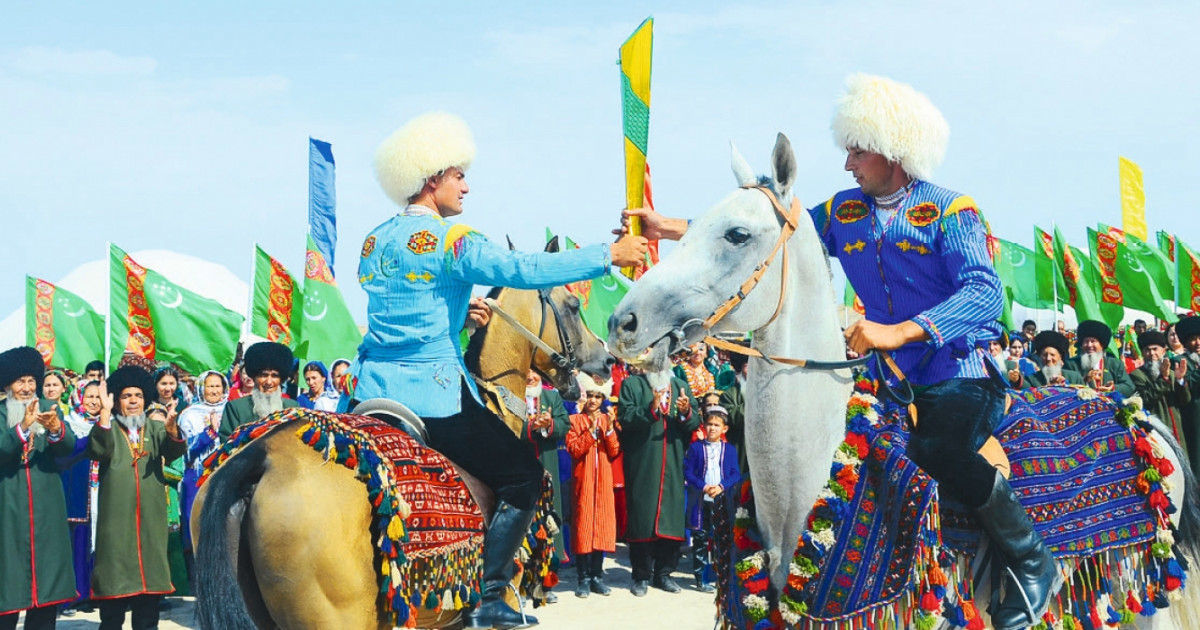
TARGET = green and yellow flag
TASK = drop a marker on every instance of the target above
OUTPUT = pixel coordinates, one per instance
(635, 56)
(62, 326)
(327, 331)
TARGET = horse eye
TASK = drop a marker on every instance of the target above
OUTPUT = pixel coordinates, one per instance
(573, 303)
(737, 236)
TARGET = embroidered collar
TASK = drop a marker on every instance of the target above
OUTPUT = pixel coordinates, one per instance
(893, 201)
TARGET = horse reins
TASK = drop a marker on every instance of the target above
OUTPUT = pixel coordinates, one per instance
(789, 222)
(565, 362)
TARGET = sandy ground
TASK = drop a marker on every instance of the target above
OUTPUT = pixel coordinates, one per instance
(689, 610)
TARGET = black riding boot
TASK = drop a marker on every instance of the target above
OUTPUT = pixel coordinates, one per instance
(500, 545)
(1033, 575)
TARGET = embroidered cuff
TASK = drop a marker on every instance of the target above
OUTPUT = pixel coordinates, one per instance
(935, 336)
(607, 259)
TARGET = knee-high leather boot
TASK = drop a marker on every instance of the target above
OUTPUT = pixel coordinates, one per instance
(500, 544)
(1032, 575)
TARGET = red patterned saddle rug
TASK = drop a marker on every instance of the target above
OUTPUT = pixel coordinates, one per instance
(428, 530)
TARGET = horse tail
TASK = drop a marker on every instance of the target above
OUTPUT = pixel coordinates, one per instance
(1187, 537)
(220, 604)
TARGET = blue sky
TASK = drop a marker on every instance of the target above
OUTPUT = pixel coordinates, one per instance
(172, 126)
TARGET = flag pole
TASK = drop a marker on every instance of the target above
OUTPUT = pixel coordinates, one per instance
(247, 324)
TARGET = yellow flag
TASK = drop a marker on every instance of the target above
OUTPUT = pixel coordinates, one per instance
(1133, 199)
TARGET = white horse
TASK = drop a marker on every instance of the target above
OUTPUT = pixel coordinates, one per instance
(795, 417)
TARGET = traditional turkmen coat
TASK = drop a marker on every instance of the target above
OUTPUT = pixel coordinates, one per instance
(546, 448)
(131, 532)
(735, 404)
(1191, 412)
(1114, 373)
(595, 511)
(35, 572)
(241, 411)
(654, 444)
(1163, 398)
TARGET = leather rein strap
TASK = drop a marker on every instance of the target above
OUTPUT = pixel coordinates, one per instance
(789, 222)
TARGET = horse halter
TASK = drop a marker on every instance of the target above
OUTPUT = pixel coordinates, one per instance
(566, 360)
(789, 222)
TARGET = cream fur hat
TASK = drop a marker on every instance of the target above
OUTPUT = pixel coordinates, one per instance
(589, 385)
(424, 146)
(894, 120)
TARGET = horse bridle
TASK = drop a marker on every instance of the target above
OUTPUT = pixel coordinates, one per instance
(565, 360)
(789, 222)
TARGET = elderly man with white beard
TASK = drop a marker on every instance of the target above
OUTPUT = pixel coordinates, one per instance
(1161, 382)
(131, 566)
(1188, 330)
(36, 572)
(269, 364)
(1052, 348)
(1101, 370)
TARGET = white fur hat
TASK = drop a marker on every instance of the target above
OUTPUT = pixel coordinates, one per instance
(894, 120)
(424, 146)
(589, 385)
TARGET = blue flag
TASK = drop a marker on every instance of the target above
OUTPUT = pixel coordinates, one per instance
(322, 199)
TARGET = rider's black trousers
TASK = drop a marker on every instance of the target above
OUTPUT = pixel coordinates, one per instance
(954, 419)
(479, 442)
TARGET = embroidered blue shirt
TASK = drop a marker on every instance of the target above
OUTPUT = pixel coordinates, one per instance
(929, 264)
(418, 271)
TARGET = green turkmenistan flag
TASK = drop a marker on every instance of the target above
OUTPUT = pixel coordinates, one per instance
(1081, 278)
(62, 326)
(598, 298)
(1142, 273)
(1050, 285)
(1016, 266)
(157, 319)
(275, 313)
(327, 332)
(1189, 276)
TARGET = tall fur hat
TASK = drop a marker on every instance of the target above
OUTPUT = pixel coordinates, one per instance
(589, 385)
(268, 355)
(1152, 338)
(1052, 339)
(1092, 328)
(131, 376)
(19, 362)
(1187, 328)
(424, 146)
(894, 120)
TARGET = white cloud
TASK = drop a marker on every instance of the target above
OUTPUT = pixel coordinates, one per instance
(38, 60)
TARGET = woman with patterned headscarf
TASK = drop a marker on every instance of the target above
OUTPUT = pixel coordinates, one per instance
(57, 387)
(81, 481)
(199, 424)
(321, 394)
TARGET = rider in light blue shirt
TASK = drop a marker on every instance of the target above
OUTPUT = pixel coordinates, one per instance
(418, 270)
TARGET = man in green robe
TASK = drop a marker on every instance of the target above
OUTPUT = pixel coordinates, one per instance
(1100, 369)
(1188, 330)
(36, 571)
(269, 364)
(1162, 383)
(1052, 349)
(656, 418)
(546, 424)
(131, 567)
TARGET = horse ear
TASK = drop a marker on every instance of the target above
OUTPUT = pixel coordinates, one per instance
(783, 163)
(511, 247)
(741, 168)
(552, 245)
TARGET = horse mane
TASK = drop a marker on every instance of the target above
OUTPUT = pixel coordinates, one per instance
(475, 345)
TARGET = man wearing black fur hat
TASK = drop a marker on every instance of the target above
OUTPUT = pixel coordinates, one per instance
(1052, 348)
(269, 364)
(1188, 330)
(1100, 369)
(36, 571)
(131, 566)
(1161, 382)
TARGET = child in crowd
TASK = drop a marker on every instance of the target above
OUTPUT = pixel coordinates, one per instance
(709, 467)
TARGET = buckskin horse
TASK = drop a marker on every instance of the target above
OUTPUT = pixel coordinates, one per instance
(760, 247)
(282, 537)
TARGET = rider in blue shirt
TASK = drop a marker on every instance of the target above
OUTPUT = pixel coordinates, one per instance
(418, 270)
(917, 254)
